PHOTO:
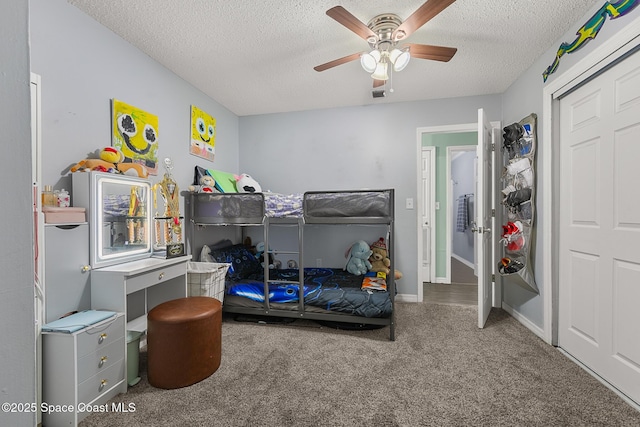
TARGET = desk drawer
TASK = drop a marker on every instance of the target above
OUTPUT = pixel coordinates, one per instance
(100, 360)
(101, 382)
(153, 277)
(95, 337)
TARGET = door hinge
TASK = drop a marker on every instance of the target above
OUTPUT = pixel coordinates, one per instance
(493, 213)
(493, 146)
(493, 278)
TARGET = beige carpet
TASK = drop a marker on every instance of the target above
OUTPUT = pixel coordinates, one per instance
(441, 371)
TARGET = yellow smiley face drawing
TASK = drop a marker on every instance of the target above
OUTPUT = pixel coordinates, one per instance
(203, 134)
(135, 134)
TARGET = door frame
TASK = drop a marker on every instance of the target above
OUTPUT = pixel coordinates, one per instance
(458, 128)
(431, 202)
(620, 45)
(467, 127)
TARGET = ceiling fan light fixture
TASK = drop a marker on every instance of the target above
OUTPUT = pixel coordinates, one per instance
(381, 72)
(399, 59)
(369, 61)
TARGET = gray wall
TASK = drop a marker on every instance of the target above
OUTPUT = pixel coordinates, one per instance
(83, 66)
(17, 372)
(351, 148)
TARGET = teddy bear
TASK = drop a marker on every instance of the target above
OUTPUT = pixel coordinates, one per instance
(379, 259)
(358, 258)
(206, 185)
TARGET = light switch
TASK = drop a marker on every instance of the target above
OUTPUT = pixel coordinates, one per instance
(437, 206)
(409, 203)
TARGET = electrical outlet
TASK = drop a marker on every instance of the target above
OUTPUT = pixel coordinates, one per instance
(318, 262)
(409, 203)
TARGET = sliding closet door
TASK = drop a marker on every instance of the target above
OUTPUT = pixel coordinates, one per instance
(599, 265)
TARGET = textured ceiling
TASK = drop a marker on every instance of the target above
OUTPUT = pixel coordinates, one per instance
(257, 56)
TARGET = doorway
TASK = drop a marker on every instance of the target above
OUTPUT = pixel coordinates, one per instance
(435, 199)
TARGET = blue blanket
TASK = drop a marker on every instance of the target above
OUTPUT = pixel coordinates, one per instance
(327, 288)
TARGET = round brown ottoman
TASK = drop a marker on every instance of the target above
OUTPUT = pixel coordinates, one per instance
(183, 341)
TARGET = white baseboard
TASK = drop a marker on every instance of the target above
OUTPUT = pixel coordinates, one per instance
(525, 322)
(406, 298)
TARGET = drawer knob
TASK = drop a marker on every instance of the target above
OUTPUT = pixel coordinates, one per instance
(161, 276)
(85, 268)
(103, 384)
(102, 337)
(103, 360)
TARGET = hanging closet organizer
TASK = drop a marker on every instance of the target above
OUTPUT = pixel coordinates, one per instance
(519, 144)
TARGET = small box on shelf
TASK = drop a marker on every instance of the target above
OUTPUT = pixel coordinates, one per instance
(57, 215)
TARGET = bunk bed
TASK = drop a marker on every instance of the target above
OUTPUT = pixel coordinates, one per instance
(322, 294)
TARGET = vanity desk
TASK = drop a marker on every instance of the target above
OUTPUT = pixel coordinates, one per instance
(135, 287)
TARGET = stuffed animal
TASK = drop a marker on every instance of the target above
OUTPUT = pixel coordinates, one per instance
(358, 258)
(207, 185)
(133, 169)
(111, 155)
(111, 161)
(380, 260)
(93, 165)
(246, 184)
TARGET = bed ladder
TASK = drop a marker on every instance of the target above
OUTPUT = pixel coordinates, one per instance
(284, 222)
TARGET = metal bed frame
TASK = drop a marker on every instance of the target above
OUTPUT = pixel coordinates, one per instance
(248, 210)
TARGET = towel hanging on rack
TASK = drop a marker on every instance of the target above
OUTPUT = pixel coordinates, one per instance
(462, 222)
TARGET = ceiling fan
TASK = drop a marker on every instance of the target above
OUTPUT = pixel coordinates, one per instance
(384, 33)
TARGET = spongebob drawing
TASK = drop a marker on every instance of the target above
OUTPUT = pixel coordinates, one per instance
(203, 134)
(135, 134)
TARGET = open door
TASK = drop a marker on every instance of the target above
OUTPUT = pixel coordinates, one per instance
(428, 199)
(482, 227)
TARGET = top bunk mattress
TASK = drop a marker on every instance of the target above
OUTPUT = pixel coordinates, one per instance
(357, 205)
(315, 206)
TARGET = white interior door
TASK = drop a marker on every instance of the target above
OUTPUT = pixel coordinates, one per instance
(428, 196)
(482, 226)
(599, 257)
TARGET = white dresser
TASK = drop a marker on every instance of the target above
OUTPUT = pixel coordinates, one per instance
(83, 370)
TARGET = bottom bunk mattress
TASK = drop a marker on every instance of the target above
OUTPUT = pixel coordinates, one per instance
(325, 290)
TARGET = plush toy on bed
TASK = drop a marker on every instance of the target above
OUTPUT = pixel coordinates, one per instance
(246, 184)
(358, 258)
(379, 259)
(207, 185)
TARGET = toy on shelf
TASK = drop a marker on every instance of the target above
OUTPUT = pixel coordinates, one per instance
(111, 160)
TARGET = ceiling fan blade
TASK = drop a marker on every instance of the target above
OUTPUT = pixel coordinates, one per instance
(377, 83)
(338, 61)
(420, 17)
(345, 18)
(436, 53)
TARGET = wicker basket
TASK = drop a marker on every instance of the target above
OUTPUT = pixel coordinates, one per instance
(207, 279)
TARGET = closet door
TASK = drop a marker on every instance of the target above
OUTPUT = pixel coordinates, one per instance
(599, 265)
